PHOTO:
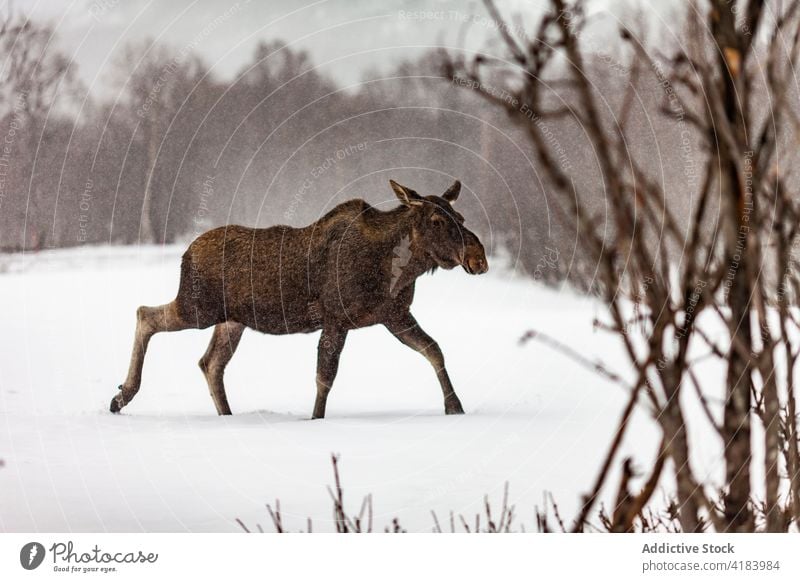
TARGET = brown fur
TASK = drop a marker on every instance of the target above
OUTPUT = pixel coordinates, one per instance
(354, 267)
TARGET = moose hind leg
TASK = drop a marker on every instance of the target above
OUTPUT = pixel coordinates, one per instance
(149, 321)
(330, 347)
(220, 350)
(408, 331)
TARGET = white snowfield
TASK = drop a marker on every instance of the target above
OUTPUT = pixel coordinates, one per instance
(169, 463)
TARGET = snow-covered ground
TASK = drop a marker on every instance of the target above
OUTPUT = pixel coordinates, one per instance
(168, 463)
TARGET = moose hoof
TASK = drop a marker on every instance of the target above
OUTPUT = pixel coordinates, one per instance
(453, 406)
(117, 402)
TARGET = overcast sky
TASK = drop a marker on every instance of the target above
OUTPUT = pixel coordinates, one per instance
(344, 37)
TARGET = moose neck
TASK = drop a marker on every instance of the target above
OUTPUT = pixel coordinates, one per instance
(409, 259)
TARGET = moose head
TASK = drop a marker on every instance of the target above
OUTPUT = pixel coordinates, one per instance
(439, 229)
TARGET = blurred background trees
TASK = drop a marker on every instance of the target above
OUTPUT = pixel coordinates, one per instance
(173, 149)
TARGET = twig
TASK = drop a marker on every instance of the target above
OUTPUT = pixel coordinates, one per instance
(553, 343)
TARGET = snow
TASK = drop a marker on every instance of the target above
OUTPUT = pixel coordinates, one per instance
(169, 463)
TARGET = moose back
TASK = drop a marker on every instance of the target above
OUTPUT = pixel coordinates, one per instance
(354, 267)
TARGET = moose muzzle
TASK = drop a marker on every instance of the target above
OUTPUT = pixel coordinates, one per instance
(475, 262)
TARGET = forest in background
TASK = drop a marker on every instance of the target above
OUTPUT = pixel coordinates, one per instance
(174, 150)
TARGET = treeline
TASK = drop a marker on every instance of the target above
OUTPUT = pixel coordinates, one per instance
(174, 149)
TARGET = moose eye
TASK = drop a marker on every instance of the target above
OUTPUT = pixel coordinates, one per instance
(438, 221)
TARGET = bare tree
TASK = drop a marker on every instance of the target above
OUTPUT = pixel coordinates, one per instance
(730, 87)
(157, 81)
(35, 77)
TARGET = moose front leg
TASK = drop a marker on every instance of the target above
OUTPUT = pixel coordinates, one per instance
(329, 349)
(149, 321)
(408, 331)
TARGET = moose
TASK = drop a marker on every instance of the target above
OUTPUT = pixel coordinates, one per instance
(354, 267)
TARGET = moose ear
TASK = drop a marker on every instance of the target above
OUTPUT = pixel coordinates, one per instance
(406, 195)
(452, 192)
